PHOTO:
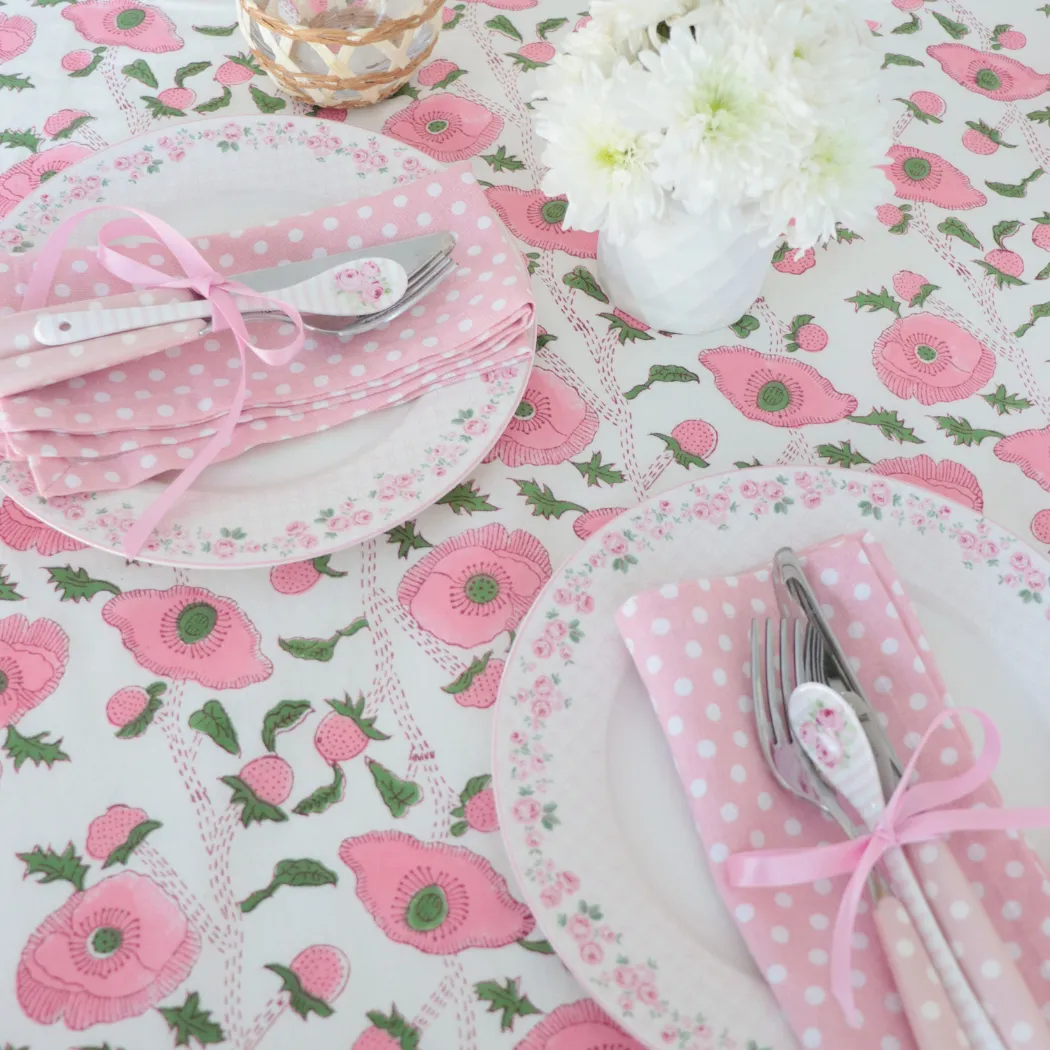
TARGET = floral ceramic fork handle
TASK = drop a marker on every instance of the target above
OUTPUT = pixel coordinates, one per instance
(831, 734)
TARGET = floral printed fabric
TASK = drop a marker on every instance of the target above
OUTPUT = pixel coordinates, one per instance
(253, 809)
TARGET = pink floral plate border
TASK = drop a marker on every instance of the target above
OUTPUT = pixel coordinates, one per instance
(466, 419)
(678, 994)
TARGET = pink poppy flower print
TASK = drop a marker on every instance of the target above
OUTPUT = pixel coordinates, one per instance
(109, 953)
(16, 34)
(23, 532)
(447, 127)
(189, 633)
(552, 424)
(920, 176)
(782, 392)
(19, 181)
(588, 524)
(474, 586)
(985, 73)
(127, 22)
(33, 658)
(947, 478)
(1030, 450)
(578, 1026)
(536, 219)
(931, 359)
(438, 898)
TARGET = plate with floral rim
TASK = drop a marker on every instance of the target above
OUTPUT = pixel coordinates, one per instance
(591, 809)
(265, 507)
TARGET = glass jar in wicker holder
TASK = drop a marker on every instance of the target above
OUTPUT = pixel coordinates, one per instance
(343, 53)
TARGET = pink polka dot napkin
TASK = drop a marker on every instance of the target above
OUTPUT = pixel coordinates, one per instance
(690, 643)
(118, 426)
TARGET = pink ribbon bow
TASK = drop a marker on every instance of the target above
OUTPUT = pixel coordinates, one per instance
(913, 814)
(202, 279)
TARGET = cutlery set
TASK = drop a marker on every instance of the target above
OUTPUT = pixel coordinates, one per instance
(823, 743)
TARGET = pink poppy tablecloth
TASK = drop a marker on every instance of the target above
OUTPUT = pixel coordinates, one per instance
(286, 836)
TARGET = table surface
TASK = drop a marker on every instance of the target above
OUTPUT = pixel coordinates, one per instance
(950, 392)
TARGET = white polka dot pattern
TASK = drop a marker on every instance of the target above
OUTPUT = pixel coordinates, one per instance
(720, 766)
(96, 415)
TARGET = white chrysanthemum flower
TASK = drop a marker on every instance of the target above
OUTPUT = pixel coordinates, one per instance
(632, 22)
(728, 135)
(601, 165)
(592, 44)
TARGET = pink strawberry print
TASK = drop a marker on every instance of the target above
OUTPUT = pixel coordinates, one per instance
(929, 103)
(539, 51)
(237, 69)
(477, 808)
(983, 139)
(1007, 261)
(1008, 37)
(299, 576)
(1004, 265)
(110, 831)
(388, 1032)
(439, 73)
(132, 708)
(912, 287)
(787, 260)
(805, 335)
(260, 788)
(177, 97)
(478, 685)
(1041, 526)
(1041, 231)
(345, 732)
(896, 217)
(691, 442)
(315, 977)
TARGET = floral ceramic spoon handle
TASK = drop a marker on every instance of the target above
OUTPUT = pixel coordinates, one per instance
(833, 737)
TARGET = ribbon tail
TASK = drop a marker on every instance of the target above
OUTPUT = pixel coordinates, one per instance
(789, 867)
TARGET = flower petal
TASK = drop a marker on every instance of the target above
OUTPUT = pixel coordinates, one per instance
(536, 219)
(986, 73)
(920, 176)
(947, 478)
(1030, 450)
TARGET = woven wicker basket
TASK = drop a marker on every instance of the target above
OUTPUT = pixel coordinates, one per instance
(342, 57)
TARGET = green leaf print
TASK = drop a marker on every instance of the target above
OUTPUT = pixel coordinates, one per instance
(913, 25)
(1005, 403)
(216, 30)
(397, 794)
(679, 454)
(874, 301)
(595, 471)
(923, 294)
(55, 867)
(505, 999)
(543, 501)
(191, 69)
(135, 838)
(299, 1000)
(35, 749)
(663, 374)
(956, 30)
(74, 585)
(189, 1021)
(325, 796)
(962, 433)
(219, 102)
(890, 424)
(407, 539)
(583, 280)
(890, 59)
(26, 139)
(842, 455)
(320, 649)
(549, 25)
(73, 125)
(919, 114)
(745, 326)
(159, 109)
(1040, 116)
(15, 82)
(1020, 189)
(990, 133)
(500, 160)
(625, 331)
(282, 717)
(140, 71)
(1039, 311)
(502, 24)
(953, 227)
(7, 588)
(266, 103)
(253, 808)
(466, 679)
(1002, 279)
(541, 947)
(466, 497)
(302, 872)
(213, 721)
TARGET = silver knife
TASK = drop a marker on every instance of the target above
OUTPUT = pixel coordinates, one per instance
(412, 254)
(793, 591)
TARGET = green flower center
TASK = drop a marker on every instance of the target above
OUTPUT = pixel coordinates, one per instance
(482, 589)
(196, 622)
(526, 410)
(986, 80)
(435, 127)
(106, 940)
(3, 682)
(45, 175)
(774, 397)
(925, 353)
(554, 211)
(917, 168)
(427, 910)
(132, 17)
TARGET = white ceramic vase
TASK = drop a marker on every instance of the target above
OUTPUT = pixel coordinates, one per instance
(687, 273)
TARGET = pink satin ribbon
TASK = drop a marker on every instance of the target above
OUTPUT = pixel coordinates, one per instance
(913, 814)
(200, 278)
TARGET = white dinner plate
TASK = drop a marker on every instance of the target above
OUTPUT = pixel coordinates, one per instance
(612, 810)
(269, 505)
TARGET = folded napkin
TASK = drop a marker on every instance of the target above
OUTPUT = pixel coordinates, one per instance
(117, 427)
(690, 642)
